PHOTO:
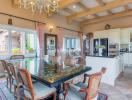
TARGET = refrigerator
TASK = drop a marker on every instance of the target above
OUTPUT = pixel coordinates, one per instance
(100, 47)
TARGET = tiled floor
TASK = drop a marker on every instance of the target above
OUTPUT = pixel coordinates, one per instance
(122, 89)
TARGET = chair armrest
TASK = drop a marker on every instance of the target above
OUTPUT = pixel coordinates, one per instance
(85, 76)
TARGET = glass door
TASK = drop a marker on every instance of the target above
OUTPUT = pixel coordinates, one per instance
(4, 42)
(17, 41)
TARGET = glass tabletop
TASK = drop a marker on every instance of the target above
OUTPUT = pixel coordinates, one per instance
(48, 72)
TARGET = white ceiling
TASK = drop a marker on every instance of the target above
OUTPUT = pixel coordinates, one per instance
(130, 6)
(75, 8)
(90, 3)
(118, 9)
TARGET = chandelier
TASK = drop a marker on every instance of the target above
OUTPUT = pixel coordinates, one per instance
(50, 7)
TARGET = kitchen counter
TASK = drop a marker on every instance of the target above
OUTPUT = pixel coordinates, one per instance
(111, 63)
(102, 56)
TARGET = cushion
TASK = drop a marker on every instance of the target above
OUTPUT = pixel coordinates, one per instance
(75, 94)
(74, 87)
(41, 91)
(82, 85)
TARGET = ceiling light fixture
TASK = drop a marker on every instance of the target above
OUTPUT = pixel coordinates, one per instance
(74, 6)
(48, 6)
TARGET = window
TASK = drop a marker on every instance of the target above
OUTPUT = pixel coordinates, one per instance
(4, 41)
(70, 43)
(17, 41)
(30, 43)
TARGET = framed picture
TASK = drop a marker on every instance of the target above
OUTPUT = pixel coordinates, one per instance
(50, 42)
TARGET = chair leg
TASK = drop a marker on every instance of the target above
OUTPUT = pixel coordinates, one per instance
(7, 82)
(54, 96)
(15, 91)
(10, 84)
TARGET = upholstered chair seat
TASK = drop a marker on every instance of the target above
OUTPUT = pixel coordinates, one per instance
(82, 85)
(41, 91)
(73, 93)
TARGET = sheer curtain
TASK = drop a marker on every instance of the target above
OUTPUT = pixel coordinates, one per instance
(81, 42)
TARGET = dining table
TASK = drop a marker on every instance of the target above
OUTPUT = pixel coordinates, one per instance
(52, 75)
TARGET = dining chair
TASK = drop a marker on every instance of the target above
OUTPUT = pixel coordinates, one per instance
(2, 70)
(17, 57)
(82, 91)
(37, 90)
(54, 59)
(69, 61)
(8, 73)
(15, 80)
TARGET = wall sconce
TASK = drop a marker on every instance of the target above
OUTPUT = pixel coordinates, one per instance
(51, 28)
(10, 21)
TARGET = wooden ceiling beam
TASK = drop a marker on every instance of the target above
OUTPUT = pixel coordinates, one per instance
(110, 17)
(126, 8)
(15, 3)
(65, 3)
(98, 9)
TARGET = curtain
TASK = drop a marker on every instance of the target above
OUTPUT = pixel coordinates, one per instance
(59, 41)
(40, 28)
(81, 42)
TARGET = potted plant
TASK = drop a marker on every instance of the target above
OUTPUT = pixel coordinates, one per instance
(30, 50)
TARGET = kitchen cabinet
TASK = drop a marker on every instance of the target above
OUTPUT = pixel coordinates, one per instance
(130, 59)
(114, 36)
(121, 62)
(127, 59)
(101, 34)
(125, 36)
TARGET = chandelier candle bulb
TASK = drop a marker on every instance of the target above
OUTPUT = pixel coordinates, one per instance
(48, 6)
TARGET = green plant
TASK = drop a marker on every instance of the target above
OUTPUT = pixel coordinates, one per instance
(30, 49)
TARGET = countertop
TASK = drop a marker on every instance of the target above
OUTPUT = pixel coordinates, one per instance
(120, 53)
(102, 56)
